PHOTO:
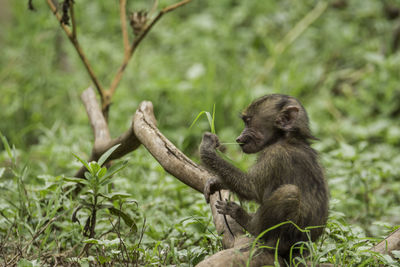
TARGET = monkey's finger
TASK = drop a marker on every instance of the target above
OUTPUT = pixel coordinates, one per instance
(222, 210)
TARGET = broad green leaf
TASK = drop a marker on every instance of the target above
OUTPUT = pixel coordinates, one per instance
(107, 154)
(101, 172)
(396, 254)
(76, 180)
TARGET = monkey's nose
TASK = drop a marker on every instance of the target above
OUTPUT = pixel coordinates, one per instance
(239, 140)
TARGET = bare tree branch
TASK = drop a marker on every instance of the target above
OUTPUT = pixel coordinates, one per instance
(71, 36)
(96, 118)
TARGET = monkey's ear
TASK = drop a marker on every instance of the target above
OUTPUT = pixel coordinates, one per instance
(287, 118)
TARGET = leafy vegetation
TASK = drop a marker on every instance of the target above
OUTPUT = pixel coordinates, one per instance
(338, 59)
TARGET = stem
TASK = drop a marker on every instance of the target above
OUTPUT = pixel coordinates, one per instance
(122, 11)
(93, 218)
(73, 22)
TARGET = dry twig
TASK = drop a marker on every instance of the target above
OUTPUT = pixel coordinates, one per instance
(138, 39)
(124, 29)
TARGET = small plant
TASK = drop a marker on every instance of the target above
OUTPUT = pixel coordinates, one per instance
(98, 196)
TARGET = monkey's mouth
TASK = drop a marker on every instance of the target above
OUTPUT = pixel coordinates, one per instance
(246, 147)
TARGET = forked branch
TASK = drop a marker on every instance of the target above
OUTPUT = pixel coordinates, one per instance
(138, 39)
(106, 95)
(102, 139)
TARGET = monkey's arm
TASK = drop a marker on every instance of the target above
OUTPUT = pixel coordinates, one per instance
(233, 178)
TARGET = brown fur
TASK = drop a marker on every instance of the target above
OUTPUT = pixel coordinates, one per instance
(287, 179)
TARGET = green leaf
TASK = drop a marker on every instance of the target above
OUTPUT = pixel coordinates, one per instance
(198, 116)
(82, 161)
(7, 146)
(103, 259)
(210, 118)
(396, 253)
(210, 121)
(88, 175)
(105, 181)
(75, 180)
(91, 241)
(117, 195)
(127, 219)
(213, 121)
(107, 154)
(104, 206)
(101, 172)
(113, 170)
(94, 167)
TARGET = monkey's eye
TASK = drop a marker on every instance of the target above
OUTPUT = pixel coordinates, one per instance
(246, 119)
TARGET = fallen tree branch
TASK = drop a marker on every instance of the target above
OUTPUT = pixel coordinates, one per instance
(390, 243)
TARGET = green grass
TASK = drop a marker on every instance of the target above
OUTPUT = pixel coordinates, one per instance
(206, 53)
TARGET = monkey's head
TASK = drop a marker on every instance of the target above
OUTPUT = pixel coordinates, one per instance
(271, 118)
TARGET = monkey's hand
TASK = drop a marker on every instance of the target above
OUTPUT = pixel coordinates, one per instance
(212, 185)
(210, 142)
(229, 208)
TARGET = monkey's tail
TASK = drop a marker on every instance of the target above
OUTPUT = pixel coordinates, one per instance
(226, 221)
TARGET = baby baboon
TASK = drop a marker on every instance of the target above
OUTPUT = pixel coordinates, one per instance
(287, 180)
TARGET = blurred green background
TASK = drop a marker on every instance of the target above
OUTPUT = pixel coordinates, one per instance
(343, 64)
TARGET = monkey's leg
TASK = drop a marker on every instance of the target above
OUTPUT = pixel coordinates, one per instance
(283, 205)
